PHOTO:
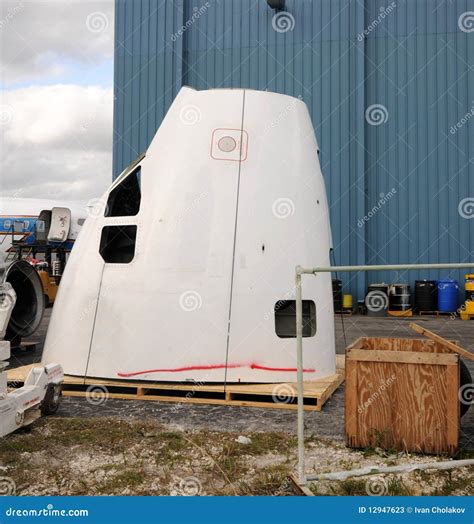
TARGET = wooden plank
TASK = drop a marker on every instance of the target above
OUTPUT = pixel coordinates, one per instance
(451, 345)
(399, 344)
(419, 409)
(300, 490)
(375, 394)
(357, 344)
(382, 344)
(351, 399)
(330, 389)
(453, 415)
(340, 363)
(404, 357)
(196, 400)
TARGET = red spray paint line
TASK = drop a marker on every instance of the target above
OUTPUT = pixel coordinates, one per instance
(210, 367)
(293, 370)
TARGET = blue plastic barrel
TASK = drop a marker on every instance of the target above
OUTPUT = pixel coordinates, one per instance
(448, 295)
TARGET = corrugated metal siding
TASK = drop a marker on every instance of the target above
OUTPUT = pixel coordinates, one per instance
(417, 66)
(415, 62)
(147, 73)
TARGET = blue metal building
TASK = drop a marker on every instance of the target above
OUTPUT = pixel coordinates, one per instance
(390, 87)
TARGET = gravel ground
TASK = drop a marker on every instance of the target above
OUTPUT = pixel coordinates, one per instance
(101, 456)
(327, 423)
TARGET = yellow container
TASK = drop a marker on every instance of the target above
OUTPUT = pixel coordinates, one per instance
(469, 287)
(346, 301)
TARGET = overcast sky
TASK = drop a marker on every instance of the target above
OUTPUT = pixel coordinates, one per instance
(56, 77)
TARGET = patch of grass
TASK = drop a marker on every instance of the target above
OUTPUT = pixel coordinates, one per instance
(170, 447)
(465, 454)
(396, 487)
(127, 478)
(452, 483)
(10, 447)
(269, 481)
(263, 443)
(173, 440)
(423, 475)
(68, 432)
(228, 462)
(346, 464)
(349, 487)
(368, 452)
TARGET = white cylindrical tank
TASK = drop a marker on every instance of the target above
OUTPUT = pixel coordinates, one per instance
(185, 271)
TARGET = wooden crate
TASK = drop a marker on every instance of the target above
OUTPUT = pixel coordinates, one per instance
(279, 396)
(402, 394)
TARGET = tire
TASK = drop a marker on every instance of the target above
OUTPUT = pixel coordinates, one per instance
(13, 338)
(50, 403)
(464, 380)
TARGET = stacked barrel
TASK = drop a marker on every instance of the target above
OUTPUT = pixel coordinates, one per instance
(431, 296)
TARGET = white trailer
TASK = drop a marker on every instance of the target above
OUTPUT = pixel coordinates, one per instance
(41, 391)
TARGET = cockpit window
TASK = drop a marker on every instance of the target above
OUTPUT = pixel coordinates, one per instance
(117, 244)
(124, 200)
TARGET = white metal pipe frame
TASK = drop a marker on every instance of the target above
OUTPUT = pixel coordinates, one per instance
(299, 271)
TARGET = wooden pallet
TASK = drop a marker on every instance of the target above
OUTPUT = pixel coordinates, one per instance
(407, 313)
(436, 313)
(280, 396)
(344, 312)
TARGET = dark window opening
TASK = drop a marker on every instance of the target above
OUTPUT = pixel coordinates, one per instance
(124, 200)
(117, 244)
(285, 318)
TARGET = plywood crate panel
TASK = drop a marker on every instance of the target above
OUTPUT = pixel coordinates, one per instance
(402, 394)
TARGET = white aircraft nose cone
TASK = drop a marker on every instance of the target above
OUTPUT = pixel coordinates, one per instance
(189, 275)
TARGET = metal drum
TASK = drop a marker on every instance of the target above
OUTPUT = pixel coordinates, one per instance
(426, 295)
(400, 297)
(376, 300)
(448, 295)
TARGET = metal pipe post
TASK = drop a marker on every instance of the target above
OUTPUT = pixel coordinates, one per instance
(387, 267)
(299, 367)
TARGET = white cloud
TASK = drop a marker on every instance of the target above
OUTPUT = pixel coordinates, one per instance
(41, 38)
(56, 141)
